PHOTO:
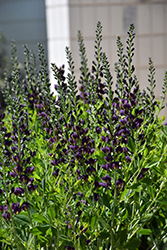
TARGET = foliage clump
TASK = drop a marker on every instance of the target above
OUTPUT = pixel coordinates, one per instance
(83, 170)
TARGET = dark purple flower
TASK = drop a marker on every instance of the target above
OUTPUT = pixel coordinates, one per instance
(127, 106)
(78, 204)
(128, 159)
(122, 112)
(32, 153)
(120, 184)
(98, 130)
(84, 230)
(18, 170)
(16, 208)
(115, 117)
(25, 206)
(32, 187)
(105, 150)
(90, 170)
(88, 241)
(24, 179)
(3, 208)
(78, 172)
(74, 136)
(19, 191)
(119, 149)
(84, 177)
(70, 248)
(13, 174)
(108, 158)
(55, 173)
(96, 196)
(136, 89)
(97, 184)
(142, 173)
(86, 131)
(107, 179)
(115, 165)
(6, 216)
(102, 184)
(107, 166)
(79, 213)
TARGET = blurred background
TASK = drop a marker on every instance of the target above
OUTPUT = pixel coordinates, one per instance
(55, 24)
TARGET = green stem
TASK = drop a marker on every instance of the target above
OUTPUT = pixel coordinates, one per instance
(148, 210)
(10, 210)
(14, 229)
(113, 214)
(26, 198)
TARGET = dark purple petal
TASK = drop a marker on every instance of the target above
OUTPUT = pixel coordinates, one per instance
(128, 159)
(96, 197)
(102, 184)
(19, 191)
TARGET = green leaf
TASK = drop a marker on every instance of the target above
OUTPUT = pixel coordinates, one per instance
(146, 152)
(83, 241)
(123, 236)
(147, 217)
(64, 238)
(43, 228)
(35, 231)
(146, 180)
(93, 222)
(158, 170)
(104, 235)
(124, 215)
(165, 130)
(133, 244)
(42, 238)
(22, 219)
(51, 213)
(135, 186)
(126, 194)
(162, 200)
(106, 200)
(131, 144)
(3, 232)
(39, 218)
(144, 231)
(43, 184)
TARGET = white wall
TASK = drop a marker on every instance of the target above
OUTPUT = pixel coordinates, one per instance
(58, 32)
(66, 17)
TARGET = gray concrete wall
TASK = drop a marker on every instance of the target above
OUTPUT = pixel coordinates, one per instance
(25, 22)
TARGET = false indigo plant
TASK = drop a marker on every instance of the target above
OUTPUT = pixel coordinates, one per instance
(83, 169)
